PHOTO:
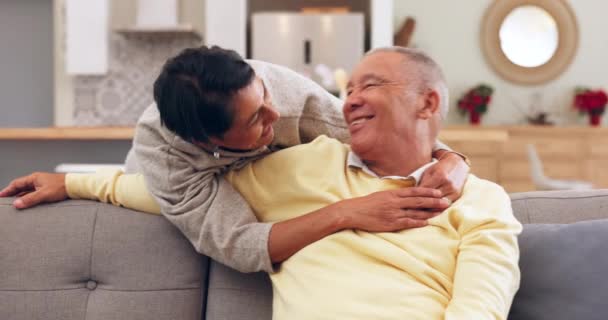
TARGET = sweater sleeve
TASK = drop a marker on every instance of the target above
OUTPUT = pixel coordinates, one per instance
(192, 194)
(487, 274)
(322, 115)
(112, 186)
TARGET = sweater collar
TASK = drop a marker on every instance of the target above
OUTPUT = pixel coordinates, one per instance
(354, 161)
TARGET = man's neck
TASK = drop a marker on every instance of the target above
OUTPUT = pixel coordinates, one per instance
(399, 161)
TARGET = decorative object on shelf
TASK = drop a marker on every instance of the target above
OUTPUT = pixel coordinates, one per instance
(541, 118)
(592, 102)
(475, 102)
(534, 111)
(403, 37)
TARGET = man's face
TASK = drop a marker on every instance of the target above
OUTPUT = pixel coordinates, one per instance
(380, 106)
(253, 118)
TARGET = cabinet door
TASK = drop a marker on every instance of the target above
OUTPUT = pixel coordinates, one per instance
(547, 147)
(518, 186)
(485, 168)
(597, 172)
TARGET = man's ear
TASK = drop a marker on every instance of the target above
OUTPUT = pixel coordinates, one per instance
(431, 105)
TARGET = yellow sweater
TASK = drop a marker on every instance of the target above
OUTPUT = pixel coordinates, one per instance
(464, 265)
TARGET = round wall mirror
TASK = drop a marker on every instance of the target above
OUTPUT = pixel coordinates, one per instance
(529, 41)
(528, 36)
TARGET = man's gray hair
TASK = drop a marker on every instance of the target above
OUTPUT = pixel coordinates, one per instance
(429, 74)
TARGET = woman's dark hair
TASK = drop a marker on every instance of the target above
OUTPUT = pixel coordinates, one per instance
(194, 91)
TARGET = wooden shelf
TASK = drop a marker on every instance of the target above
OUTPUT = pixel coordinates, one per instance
(184, 29)
(472, 134)
(566, 152)
(448, 134)
(68, 133)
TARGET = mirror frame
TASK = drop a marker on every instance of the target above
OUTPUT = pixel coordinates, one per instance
(563, 56)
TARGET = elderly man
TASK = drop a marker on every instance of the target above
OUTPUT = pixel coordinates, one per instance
(463, 265)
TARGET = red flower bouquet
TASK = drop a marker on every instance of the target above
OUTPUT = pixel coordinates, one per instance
(475, 102)
(592, 102)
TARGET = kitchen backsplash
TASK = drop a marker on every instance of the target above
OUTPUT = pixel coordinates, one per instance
(119, 97)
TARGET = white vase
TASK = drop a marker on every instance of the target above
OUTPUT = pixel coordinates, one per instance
(157, 13)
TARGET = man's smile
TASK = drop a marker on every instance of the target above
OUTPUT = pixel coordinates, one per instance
(359, 122)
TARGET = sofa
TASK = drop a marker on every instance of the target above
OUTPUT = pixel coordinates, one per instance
(87, 260)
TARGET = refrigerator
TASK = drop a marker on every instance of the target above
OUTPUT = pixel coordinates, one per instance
(314, 45)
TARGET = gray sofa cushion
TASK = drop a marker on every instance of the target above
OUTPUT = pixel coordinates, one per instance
(563, 269)
(87, 260)
(237, 296)
(560, 206)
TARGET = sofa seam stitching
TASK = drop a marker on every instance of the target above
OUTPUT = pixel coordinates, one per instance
(91, 260)
(528, 212)
(149, 290)
(29, 290)
(104, 289)
(233, 289)
(93, 239)
(561, 198)
(205, 289)
(57, 205)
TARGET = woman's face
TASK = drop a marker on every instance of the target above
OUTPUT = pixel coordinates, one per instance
(253, 119)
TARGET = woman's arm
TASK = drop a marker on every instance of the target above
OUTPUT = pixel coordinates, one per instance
(383, 211)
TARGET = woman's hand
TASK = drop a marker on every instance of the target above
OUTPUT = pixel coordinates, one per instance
(37, 188)
(448, 175)
(392, 210)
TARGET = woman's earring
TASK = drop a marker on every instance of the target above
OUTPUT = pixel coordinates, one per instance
(216, 152)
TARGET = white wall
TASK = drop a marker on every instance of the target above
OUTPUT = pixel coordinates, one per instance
(449, 31)
(26, 69)
(226, 24)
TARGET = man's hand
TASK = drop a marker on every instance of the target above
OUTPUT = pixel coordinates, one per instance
(392, 210)
(447, 175)
(36, 188)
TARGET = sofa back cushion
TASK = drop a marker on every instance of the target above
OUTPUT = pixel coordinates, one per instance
(87, 260)
(563, 270)
(238, 296)
(560, 206)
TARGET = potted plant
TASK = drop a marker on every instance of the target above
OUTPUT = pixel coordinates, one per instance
(592, 102)
(475, 102)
